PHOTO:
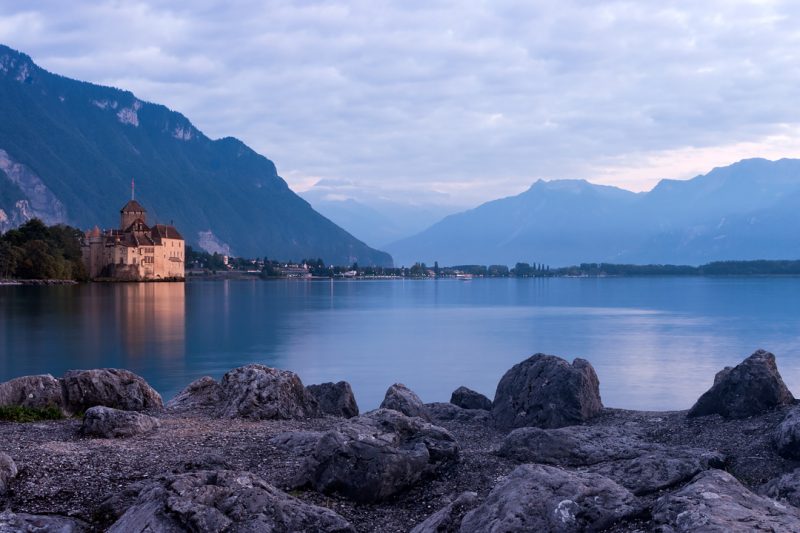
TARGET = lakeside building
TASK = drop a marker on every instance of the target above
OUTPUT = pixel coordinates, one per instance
(135, 251)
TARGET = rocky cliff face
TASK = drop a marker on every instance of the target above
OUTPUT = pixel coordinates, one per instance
(69, 149)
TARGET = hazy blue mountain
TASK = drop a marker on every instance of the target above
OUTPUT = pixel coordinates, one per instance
(747, 210)
(376, 221)
(69, 149)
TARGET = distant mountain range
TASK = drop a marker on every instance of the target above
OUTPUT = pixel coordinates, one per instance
(375, 219)
(748, 210)
(69, 149)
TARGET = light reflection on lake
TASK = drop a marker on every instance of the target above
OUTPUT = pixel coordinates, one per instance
(655, 343)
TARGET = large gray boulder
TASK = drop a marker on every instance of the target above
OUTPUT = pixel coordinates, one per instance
(750, 388)
(470, 399)
(546, 498)
(217, 501)
(787, 435)
(546, 391)
(377, 455)
(108, 423)
(335, 399)
(448, 518)
(32, 391)
(785, 488)
(401, 398)
(109, 387)
(258, 392)
(29, 523)
(716, 501)
(8, 471)
(201, 394)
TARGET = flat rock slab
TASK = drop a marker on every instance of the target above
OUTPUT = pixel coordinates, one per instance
(446, 412)
(108, 423)
(109, 387)
(548, 392)
(619, 454)
(546, 498)
(297, 442)
(376, 456)
(785, 488)
(28, 523)
(216, 501)
(750, 388)
(448, 518)
(659, 469)
(572, 446)
(716, 501)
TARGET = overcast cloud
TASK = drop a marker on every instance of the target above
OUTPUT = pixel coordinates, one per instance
(462, 100)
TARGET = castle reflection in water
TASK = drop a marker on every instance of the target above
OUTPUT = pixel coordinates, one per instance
(150, 317)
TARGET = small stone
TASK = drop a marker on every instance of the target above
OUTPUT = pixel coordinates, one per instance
(108, 423)
(8, 471)
(402, 399)
(448, 518)
(335, 399)
(469, 399)
(201, 394)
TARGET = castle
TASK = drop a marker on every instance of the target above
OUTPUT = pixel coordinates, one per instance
(135, 251)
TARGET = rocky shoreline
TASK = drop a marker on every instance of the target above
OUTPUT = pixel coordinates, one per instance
(259, 451)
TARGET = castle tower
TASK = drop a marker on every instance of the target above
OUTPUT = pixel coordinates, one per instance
(130, 212)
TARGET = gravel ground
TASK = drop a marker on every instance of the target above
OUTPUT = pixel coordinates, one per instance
(64, 473)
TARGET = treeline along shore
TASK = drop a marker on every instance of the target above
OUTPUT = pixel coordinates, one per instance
(35, 252)
(98, 450)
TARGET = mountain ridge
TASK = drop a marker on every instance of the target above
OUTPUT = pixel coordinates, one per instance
(69, 149)
(739, 211)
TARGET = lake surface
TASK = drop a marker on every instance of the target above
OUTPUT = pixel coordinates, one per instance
(655, 343)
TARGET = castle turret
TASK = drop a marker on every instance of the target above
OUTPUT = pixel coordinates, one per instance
(130, 212)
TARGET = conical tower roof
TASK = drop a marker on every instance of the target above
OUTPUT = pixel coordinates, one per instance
(133, 207)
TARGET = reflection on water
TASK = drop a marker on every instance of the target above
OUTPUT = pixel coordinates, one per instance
(130, 325)
(655, 343)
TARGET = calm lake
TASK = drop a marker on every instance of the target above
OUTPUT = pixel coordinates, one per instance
(655, 343)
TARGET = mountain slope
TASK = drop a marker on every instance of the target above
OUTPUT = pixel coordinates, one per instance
(377, 221)
(69, 149)
(748, 210)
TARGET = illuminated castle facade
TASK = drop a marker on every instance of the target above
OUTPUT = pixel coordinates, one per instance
(135, 251)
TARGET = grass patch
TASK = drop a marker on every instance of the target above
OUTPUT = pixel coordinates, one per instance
(17, 413)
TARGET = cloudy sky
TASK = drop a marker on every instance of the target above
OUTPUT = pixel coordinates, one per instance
(455, 100)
